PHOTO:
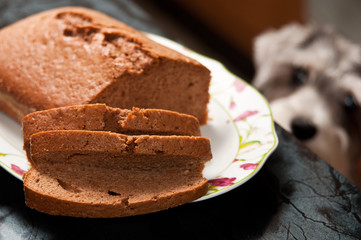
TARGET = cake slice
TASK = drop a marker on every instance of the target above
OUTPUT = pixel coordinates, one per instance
(99, 117)
(56, 196)
(102, 174)
(73, 56)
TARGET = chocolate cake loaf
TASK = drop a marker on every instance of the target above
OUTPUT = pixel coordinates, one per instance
(73, 56)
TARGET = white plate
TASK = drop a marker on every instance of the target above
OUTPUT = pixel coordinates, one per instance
(240, 128)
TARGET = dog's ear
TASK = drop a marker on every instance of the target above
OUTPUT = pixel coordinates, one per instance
(273, 42)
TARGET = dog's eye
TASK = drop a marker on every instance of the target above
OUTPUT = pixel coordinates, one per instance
(299, 76)
(350, 103)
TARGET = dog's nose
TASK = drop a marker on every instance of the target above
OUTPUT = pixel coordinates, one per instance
(303, 129)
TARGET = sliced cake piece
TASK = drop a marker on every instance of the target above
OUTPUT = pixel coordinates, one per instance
(58, 196)
(102, 174)
(99, 117)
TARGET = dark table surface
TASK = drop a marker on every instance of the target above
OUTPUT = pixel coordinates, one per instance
(295, 195)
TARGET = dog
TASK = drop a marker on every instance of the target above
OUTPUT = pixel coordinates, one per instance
(311, 77)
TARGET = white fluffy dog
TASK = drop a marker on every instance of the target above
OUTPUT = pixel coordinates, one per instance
(312, 79)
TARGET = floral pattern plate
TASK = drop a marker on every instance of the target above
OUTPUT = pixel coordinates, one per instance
(240, 128)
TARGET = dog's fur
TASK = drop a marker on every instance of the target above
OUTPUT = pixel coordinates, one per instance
(312, 79)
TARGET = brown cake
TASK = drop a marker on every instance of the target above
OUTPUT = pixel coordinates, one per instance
(99, 117)
(73, 56)
(102, 174)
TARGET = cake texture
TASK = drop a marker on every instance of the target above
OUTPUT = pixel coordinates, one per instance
(99, 117)
(104, 174)
(74, 56)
